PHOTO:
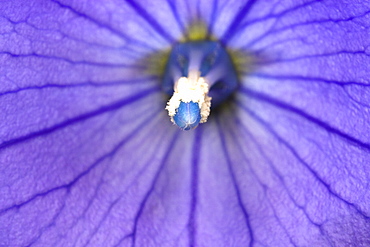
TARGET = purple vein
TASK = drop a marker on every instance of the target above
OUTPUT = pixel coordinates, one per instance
(248, 136)
(239, 16)
(151, 189)
(78, 84)
(308, 79)
(68, 185)
(192, 222)
(245, 213)
(150, 20)
(279, 176)
(74, 62)
(82, 117)
(104, 25)
(277, 15)
(299, 112)
(154, 127)
(301, 160)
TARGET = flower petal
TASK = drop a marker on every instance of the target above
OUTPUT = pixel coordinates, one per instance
(303, 112)
(88, 157)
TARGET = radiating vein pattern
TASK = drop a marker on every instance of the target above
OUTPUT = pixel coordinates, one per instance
(88, 156)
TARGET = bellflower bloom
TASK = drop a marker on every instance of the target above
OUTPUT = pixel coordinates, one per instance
(89, 156)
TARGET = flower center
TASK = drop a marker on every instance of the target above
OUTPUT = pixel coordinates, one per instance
(197, 74)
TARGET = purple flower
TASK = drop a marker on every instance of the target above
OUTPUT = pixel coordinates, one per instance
(89, 157)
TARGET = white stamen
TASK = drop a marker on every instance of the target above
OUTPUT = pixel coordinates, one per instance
(192, 88)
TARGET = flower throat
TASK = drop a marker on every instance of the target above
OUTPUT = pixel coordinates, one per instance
(199, 75)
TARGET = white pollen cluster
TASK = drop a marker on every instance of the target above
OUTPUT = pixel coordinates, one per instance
(192, 88)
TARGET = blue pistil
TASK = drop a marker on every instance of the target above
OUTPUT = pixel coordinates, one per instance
(187, 116)
(213, 63)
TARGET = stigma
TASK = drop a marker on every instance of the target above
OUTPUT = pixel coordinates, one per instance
(190, 103)
(198, 75)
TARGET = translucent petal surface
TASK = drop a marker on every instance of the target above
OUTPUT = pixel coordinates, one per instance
(88, 156)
